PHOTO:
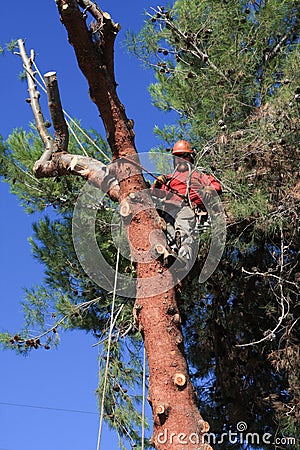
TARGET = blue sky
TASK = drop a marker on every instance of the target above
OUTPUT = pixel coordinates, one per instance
(66, 378)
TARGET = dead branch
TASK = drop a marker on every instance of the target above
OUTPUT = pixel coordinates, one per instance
(61, 139)
(283, 300)
(34, 102)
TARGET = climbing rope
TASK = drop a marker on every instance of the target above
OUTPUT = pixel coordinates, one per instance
(144, 399)
(77, 139)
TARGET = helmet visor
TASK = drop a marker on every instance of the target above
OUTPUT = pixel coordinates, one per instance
(183, 155)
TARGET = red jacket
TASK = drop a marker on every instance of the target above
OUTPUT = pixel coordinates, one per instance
(197, 181)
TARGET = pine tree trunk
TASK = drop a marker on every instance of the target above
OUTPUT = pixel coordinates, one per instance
(176, 419)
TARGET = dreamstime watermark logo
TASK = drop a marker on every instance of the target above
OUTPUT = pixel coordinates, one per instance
(91, 255)
(239, 436)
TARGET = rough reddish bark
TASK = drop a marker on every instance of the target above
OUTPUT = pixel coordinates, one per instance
(177, 421)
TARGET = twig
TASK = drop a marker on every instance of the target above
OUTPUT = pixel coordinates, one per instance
(112, 326)
(196, 50)
(268, 275)
(81, 306)
(282, 299)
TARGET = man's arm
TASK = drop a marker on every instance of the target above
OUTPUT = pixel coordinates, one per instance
(208, 181)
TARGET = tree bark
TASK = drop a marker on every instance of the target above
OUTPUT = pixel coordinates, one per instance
(177, 421)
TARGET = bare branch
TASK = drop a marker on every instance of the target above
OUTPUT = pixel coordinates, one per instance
(271, 275)
(55, 159)
(282, 299)
(34, 102)
(60, 127)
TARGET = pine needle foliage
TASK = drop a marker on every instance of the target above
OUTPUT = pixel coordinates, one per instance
(68, 299)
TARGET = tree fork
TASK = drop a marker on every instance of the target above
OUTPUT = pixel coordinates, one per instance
(55, 159)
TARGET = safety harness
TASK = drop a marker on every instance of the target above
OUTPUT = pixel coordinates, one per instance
(200, 214)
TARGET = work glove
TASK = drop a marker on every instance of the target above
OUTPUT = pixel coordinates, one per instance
(208, 196)
(159, 181)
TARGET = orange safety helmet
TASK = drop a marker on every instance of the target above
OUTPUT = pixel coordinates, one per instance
(182, 147)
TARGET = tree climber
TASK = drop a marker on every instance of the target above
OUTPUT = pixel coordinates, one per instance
(184, 194)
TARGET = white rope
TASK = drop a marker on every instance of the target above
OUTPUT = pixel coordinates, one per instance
(76, 139)
(144, 400)
(108, 348)
(86, 135)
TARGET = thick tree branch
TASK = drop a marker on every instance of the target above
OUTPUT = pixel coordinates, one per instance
(108, 32)
(94, 52)
(97, 173)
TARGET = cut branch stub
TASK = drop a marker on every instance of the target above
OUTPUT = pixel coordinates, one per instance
(160, 409)
(205, 427)
(60, 127)
(162, 412)
(161, 250)
(179, 380)
(176, 319)
(125, 209)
